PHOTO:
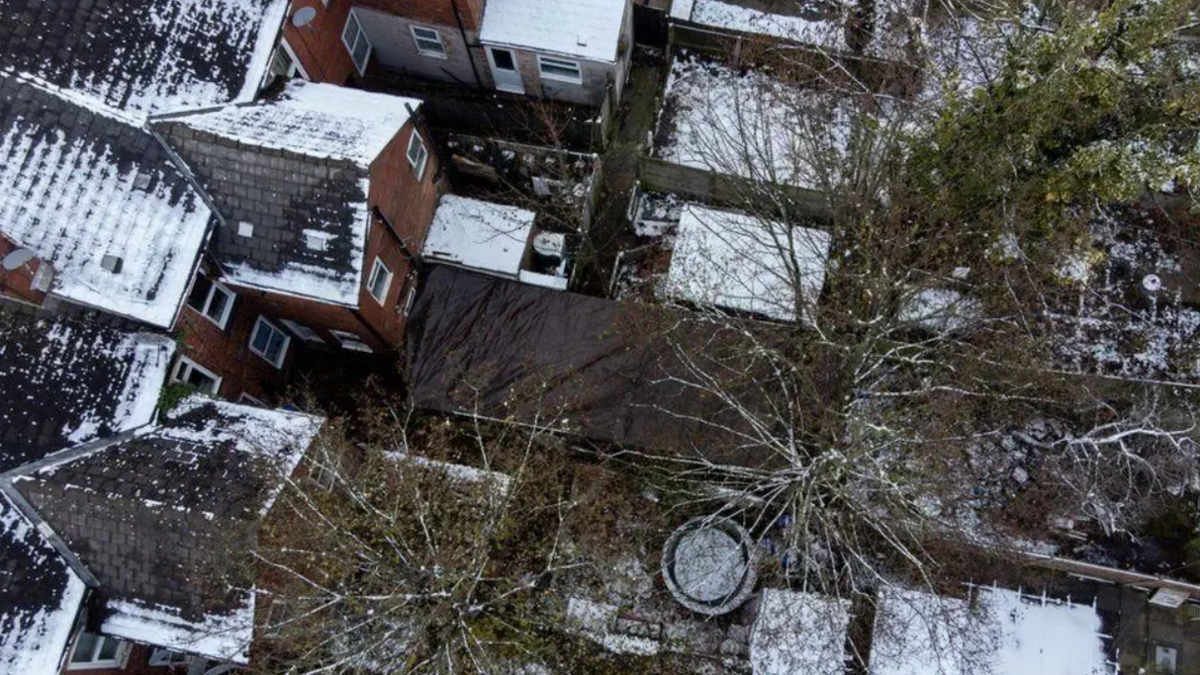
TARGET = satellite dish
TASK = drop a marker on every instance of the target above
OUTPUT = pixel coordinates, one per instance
(304, 16)
(17, 259)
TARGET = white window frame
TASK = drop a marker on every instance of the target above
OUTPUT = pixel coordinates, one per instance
(225, 313)
(351, 341)
(387, 285)
(417, 166)
(118, 660)
(287, 341)
(184, 362)
(245, 397)
(166, 657)
(440, 53)
(359, 34)
(296, 65)
(561, 63)
(301, 331)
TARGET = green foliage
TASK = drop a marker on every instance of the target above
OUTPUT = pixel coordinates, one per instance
(173, 393)
(1083, 114)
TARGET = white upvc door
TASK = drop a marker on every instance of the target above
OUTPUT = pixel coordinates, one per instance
(504, 70)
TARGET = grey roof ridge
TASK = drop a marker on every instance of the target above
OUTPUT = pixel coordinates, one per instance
(8, 488)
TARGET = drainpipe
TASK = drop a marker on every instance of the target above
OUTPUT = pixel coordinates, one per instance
(462, 29)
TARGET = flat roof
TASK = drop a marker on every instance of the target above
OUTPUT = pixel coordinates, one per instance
(587, 29)
(742, 262)
(481, 235)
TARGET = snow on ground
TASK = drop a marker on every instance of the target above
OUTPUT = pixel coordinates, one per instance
(218, 637)
(750, 125)
(478, 234)
(39, 600)
(741, 262)
(825, 32)
(1116, 328)
(313, 119)
(799, 633)
(1009, 633)
(588, 29)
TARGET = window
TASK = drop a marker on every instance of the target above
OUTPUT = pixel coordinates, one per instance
(351, 341)
(212, 300)
(269, 342)
(560, 69)
(380, 279)
(248, 399)
(96, 651)
(190, 372)
(429, 42)
(301, 331)
(284, 65)
(356, 43)
(417, 154)
(166, 657)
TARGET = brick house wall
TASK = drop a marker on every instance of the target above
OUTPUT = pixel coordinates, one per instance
(18, 283)
(226, 351)
(319, 48)
(318, 45)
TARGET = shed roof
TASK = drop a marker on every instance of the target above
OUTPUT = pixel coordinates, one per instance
(747, 263)
(143, 56)
(478, 234)
(77, 185)
(587, 29)
(164, 520)
(69, 381)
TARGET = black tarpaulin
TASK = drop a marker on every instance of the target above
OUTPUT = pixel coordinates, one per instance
(595, 367)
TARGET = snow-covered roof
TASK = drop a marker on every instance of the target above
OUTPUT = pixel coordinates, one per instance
(799, 633)
(310, 191)
(143, 56)
(587, 29)
(40, 597)
(77, 185)
(742, 262)
(69, 381)
(170, 516)
(478, 234)
(314, 120)
(1008, 633)
(751, 125)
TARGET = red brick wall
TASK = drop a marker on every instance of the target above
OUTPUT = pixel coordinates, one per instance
(227, 353)
(16, 284)
(319, 44)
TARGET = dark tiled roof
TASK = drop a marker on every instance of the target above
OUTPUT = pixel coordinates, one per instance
(165, 520)
(39, 597)
(283, 195)
(144, 56)
(67, 381)
(76, 185)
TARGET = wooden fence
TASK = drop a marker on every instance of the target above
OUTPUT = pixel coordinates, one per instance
(710, 187)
